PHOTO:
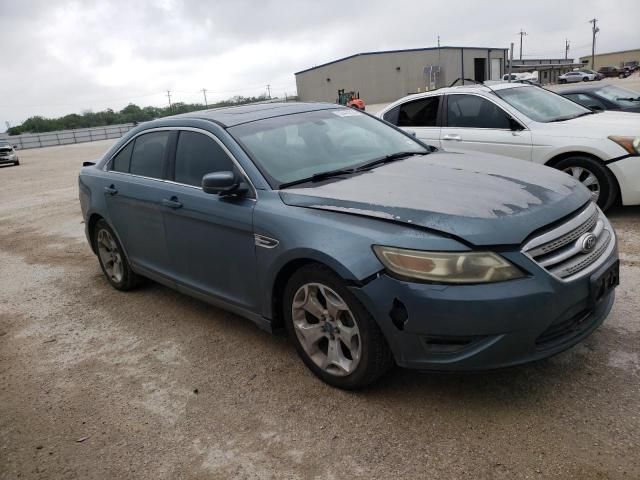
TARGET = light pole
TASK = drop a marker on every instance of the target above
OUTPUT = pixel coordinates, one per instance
(594, 30)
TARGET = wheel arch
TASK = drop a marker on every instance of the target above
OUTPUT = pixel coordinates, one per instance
(284, 273)
(553, 161)
(91, 224)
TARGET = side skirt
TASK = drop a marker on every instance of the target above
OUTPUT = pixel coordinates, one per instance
(262, 322)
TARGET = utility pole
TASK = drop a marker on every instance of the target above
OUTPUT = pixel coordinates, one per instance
(510, 61)
(269, 90)
(594, 30)
(204, 92)
(522, 33)
(566, 48)
(169, 97)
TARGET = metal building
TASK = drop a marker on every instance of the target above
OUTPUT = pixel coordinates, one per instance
(549, 69)
(612, 59)
(388, 75)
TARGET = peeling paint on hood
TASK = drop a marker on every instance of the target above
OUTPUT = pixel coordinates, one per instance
(483, 199)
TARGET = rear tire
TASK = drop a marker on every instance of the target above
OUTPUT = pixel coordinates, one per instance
(594, 175)
(16, 163)
(334, 335)
(113, 261)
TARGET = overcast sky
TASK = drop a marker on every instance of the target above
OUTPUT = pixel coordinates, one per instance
(63, 56)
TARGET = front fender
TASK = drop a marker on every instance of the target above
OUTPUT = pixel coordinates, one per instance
(341, 241)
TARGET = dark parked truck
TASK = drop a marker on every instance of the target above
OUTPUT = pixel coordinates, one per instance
(369, 247)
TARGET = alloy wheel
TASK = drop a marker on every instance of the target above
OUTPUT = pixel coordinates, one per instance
(587, 178)
(110, 256)
(326, 329)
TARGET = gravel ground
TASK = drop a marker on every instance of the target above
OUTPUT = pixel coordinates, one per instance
(152, 384)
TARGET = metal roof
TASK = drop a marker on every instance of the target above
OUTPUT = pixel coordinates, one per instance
(397, 51)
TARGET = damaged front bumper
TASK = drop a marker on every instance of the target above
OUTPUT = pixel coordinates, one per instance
(482, 327)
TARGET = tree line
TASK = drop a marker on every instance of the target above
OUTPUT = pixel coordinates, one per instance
(129, 114)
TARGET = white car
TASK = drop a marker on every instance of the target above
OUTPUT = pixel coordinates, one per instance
(571, 77)
(521, 76)
(601, 149)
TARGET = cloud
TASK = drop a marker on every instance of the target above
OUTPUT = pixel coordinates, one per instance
(66, 56)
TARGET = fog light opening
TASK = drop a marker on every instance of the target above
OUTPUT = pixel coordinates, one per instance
(398, 314)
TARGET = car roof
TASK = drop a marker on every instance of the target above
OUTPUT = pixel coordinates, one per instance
(231, 116)
(475, 88)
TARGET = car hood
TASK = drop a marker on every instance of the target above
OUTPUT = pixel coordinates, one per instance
(482, 199)
(600, 125)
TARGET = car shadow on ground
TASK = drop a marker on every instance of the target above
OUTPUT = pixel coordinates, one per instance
(523, 385)
(623, 213)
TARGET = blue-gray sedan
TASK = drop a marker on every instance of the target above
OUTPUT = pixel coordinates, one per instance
(368, 246)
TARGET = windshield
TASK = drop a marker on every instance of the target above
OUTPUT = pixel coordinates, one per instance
(620, 96)
(294, 147)
(542, 105)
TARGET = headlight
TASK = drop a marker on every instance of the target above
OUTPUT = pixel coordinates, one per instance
(447, 267)
(630, 144)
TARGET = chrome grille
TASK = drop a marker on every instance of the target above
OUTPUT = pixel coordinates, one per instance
(561, 251)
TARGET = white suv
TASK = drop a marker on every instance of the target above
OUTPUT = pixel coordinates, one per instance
(601, 149)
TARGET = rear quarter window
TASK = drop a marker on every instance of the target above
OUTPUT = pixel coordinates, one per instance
(122, 160)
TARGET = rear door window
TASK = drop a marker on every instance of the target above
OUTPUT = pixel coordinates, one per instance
(197, 155)
(419, 113)
(148, 157)
(473, 111)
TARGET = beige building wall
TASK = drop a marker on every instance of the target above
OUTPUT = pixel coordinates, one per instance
(613, 59)
(384, 77)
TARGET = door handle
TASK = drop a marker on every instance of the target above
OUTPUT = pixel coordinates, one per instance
(111, 190)
(172, 202)
(452, 136)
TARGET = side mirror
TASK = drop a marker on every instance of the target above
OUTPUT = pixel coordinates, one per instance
(223, 183)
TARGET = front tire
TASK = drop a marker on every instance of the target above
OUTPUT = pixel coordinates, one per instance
(113, 261)
(334, 335)
(593, 175)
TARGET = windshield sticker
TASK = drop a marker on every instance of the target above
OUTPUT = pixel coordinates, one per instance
(349, 112)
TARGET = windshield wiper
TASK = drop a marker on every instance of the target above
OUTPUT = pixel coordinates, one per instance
(629, 99)
(316, 177)
(386, 159)
(348, 171)
(562, 119)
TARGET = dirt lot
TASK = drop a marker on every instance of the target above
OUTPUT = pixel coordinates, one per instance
(151, 384)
